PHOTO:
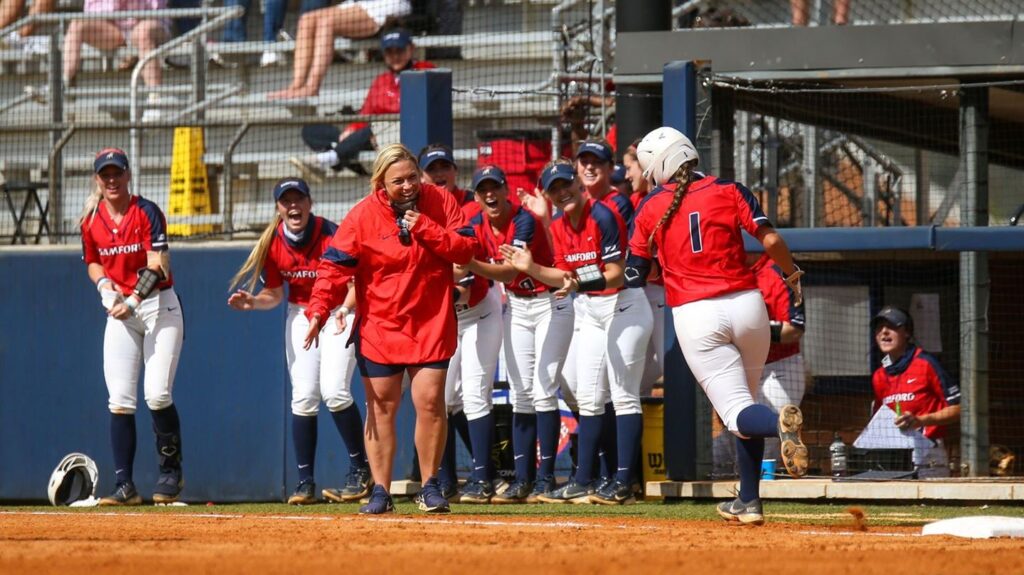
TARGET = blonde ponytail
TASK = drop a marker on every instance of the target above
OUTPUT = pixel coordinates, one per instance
(92, 203)
(248, 276)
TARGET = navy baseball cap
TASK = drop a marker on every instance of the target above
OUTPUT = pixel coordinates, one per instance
(485, 173)
(602, 151)
(397, 38)
(435, 155)
(557, 172)
(290, 184)
(893, 316)
(618, 174)
(110, 157)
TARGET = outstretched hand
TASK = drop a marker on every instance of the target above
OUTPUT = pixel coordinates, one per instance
(340, 321)
(242, 300)
(569, 285)
(535, 202)
(519, 258)
(793, 281)
(313, 334)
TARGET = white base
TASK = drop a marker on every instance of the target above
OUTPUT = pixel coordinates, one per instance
(980, 527)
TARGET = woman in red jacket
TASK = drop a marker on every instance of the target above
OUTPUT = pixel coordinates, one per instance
(399, 244)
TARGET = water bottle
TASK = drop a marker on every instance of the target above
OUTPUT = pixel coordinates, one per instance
(838, 452)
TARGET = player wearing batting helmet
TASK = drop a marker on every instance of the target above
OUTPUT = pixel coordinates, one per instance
(693, 224)
(124, 245)
(289, 251)
(589, 246)
(470, 383)
(399, 244)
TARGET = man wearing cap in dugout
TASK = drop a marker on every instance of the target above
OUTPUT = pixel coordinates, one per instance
(338, 150)
(912, 383)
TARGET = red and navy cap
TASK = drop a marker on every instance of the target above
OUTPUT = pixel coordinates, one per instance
(286, 184)
(601, 150)
(396, 38)
(437, 153)
(618, 174)
(488, 173)
(110, 157)
(893, 316)
(556, 172)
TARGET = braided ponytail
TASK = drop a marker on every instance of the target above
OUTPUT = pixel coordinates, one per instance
(683, 175)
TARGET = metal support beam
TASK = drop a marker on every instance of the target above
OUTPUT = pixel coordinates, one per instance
(974, 286)
(56, 165)
(637, 109)
(426, 115)
(723, 126)
(922, 188)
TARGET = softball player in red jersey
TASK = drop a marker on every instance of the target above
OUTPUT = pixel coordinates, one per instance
(288, 251)
(694, 226)
(616, 327)
(399, 244)
(654, 367)
(124, 245)
(538, 328)
(470, 383)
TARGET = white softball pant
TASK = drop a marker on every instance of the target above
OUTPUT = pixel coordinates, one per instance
(654, 365)
(470, 381)
(783, 383)
(612, 344)
(725, 342)
(538, 331)
(567, 379)
(319, 373)
(153, 336)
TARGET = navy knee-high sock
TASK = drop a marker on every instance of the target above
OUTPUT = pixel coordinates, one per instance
(630, 427)
(590, 436)
(481, 433)
(461, 424)
(349, 423)
(446, 472)
(304, 438)
(608, 450)
(167, 427)
(757, 421)
(122, 440)
(749, 453)
(524, 445)
(549, 423)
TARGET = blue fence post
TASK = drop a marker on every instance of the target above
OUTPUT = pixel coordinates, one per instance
(426, 114)
(679, 110)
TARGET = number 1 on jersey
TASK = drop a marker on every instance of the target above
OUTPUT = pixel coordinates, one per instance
(695, 241)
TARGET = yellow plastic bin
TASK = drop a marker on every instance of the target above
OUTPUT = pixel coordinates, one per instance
(653, 443)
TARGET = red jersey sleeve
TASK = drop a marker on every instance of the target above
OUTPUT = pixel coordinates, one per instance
(878, 385)
(271, 275)
(748, 210)
(452, 239)
(558, 245)
(155, 237)
(90, 254)
(337, 266)
(643, 224)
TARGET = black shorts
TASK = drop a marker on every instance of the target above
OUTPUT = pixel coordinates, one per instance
(370, 368)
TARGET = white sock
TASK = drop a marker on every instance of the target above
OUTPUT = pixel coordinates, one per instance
(327, 159)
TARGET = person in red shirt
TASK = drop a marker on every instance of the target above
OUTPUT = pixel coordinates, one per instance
(694, 227)
(124, 246)
(595, 164)
(288, 251)
(537, 330)
(470, 383)
(339, 150)
(912, 383)
(399, 244)
(589, 249)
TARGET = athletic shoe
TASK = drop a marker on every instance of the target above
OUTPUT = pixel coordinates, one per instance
(449, 491)
(124, 494)
(431, 499)
(270, 58)
(571, 492)
(517, 492)
(168, 486)
(380, 502)
(603, 482)
(542, 486)
(792, 448)
(749, 513)
(614, 493)
(305, 494)
(478, 492)
(358, 483)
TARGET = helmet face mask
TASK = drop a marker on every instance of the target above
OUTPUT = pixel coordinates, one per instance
(662, 152)
(74, 479)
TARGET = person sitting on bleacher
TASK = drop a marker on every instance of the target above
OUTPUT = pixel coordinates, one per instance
(338, 149)
(10, 11)
(145, 35)
(273, 25)
(314, 42)
(912, 383)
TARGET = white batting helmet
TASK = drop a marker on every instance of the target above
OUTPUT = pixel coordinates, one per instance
(74, 478)
(662, 152)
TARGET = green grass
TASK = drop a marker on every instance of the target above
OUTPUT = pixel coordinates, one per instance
(915, 514)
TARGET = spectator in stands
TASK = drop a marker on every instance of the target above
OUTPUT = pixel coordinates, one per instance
(273, 25)
(338, 150)
(145, 35)
(801, 12)
(314, 43)
(912, 383)
(10, 11)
